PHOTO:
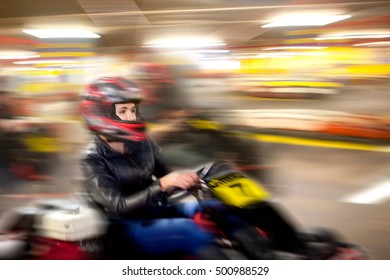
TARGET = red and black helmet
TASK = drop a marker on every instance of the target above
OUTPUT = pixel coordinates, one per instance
(98, 109)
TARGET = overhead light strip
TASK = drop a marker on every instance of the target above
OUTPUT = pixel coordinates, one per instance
(305, 20)
(383, 43)
(295, 48)
(61, 33)
(343, 37)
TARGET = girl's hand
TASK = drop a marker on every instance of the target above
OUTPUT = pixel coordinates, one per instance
(180, 179)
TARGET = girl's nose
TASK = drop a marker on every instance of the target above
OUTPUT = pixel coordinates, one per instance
(130, 116)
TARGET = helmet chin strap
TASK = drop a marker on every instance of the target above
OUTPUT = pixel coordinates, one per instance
(116, 145)
(107, 139)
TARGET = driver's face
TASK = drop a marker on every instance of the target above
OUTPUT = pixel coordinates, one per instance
(126, 111)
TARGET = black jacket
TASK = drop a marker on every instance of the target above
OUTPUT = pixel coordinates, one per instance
(121, 184)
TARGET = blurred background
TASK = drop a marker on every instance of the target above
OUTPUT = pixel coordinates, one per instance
(296, 93)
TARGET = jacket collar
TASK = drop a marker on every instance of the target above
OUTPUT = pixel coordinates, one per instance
(104, 149)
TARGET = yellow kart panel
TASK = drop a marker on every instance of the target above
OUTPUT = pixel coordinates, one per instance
(237, 190)
(42, 144)
(205, 124)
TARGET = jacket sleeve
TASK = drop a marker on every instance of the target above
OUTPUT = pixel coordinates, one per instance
(101, 187)
(161, 169)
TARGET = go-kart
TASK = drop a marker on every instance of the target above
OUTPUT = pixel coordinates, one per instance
(75, 229)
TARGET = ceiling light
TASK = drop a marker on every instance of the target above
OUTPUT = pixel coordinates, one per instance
(221, 65)
(295, 48)
(355, 34)
(207, 51)
(183, 43)
(19, 68)
(306, 20)
(61, 33)
(368, 36)
(289, 54)
(383, 43)
(45, 61)
(275, 56)
(17, 54)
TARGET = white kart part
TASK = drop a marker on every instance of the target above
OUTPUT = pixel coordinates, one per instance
(79, 223)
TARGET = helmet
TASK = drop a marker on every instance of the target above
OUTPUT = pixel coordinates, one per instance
(98, 110)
